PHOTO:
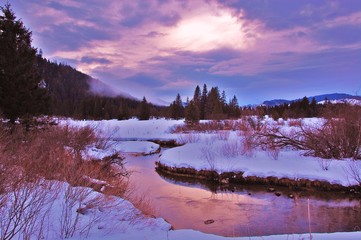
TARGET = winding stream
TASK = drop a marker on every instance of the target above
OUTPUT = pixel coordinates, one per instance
(250, 211)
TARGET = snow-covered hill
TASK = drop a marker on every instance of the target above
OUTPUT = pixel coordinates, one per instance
(333, 98)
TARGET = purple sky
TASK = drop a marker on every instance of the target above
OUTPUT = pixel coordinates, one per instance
(254, 49)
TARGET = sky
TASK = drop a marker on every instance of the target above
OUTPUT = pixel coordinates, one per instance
(255, 49)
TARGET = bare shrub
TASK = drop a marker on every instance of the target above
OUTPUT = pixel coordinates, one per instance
(231, 148)
(248, 142)
(207, 126)
(53, 153)
(102, 142)
(336, 138)
(223, 135)
(273, 150)
(78, 138)
(209, 155)
(70, 212)
(188, 138)
(25, 208)
(294, 123)
(353, 170)
(324, 163)
(78, 202)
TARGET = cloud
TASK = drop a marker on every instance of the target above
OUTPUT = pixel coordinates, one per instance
(352, 19)
(179, 84)
(145, 46)
(94, 60)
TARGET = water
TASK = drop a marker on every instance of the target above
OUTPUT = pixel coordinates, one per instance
(249, 211)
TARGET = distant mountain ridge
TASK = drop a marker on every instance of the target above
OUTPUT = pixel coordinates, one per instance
(318, 98)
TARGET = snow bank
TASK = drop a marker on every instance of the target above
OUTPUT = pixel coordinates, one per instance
(132, 129)
(139, 147)
(290, 164)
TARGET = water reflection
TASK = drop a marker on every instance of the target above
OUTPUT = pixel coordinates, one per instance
(248, 211)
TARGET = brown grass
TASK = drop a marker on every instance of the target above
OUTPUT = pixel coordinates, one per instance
(29, 158)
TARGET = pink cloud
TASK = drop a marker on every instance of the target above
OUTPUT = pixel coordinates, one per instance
(201, 26)
(352, 19)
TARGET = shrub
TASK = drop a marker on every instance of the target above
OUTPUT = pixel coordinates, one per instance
(29, 159)
(231, 148)
(188, 138)
(336, 138)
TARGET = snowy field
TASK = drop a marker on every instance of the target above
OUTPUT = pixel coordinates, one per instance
(220, 151)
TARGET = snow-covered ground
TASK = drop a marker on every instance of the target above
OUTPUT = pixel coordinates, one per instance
(131, 129)
(218, 156)
(135, 147)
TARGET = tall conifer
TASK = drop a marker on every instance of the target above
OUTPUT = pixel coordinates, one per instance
(22, 93)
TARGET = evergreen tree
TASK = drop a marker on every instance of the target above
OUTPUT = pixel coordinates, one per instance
(214, 109)
(192, 113)
(177, 109)
(203, 102)
(313, 108)
(233, 108)
(144, 111)
(224, 98)
(21, 91)
(197, 97)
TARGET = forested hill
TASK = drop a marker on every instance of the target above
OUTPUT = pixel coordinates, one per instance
(70, 95)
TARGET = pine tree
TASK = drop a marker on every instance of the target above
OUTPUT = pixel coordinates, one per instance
(192, 113)
(177, 109)
(313, 108)
(197, 97)
(144, 112)
(214, 109)
(21, 91)
(203, 104)
(233, 108)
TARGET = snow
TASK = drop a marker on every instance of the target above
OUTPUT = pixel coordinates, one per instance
(138, 147)
(132, 129)
(93, 215)
(350, 101)
(135, 147)
(289, 164)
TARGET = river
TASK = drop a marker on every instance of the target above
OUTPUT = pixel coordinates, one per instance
(247, 211)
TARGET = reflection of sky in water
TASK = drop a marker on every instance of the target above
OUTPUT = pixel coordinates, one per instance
(250, 212)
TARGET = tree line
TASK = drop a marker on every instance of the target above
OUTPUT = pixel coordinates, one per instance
(205, 105)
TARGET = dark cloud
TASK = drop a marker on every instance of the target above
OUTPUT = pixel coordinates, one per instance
(95, 60)
(153, 34)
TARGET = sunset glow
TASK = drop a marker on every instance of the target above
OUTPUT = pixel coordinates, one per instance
(256, 50)
(205, 33)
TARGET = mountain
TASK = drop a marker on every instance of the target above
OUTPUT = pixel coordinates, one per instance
(333, 97)
(78, 95)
